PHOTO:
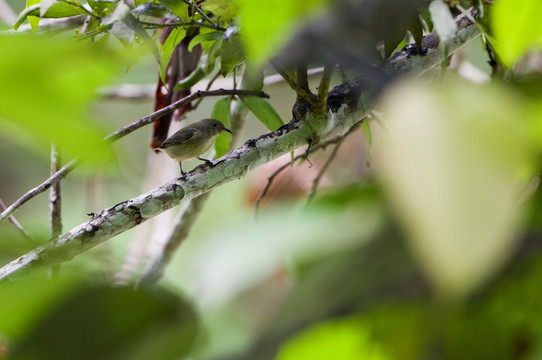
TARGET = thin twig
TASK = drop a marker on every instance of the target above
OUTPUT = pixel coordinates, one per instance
(151, 25)
(39, 189)
(317, 179)
(311, 98)
(336, 140)
(178, 104)
(18, 226)
(209, 84)
(195, 6)
(55, 208)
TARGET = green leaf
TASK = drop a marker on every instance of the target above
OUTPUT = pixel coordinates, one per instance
(222, 111)
(455, 173)
(263, 111)
(57, 10)
(204, 37)
(122, 13)
(178, 7)
(443, 20)
(112, 323)
(47, 87)
(33, 20)
(265, 28)
(222, 9)
(172, 40)
(232, 53)
(154, 10)
(347, 339)
(103, 7)
(517, 28)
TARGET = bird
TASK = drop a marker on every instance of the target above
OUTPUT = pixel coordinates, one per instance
(193, 140)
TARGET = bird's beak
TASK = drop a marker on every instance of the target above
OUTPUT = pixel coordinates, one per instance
(226, 129)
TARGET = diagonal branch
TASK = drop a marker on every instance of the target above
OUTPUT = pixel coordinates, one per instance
(121, 133)
(234, 165)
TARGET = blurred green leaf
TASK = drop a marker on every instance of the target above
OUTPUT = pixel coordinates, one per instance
(171, 43)
(346, 339)
(57, 10)
(204, 37)
(517, 28)
(221, 111)
(231, 53)
(112, 323)
(103, 7)
(33, 20)
(46, 89)
(266, 28)
(154, 10)
(178, 7)
(222, 9)
(263, 111)
(122, 14)
(23, 302)
(455, 172)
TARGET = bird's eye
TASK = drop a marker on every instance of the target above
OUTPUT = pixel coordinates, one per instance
(214, 125)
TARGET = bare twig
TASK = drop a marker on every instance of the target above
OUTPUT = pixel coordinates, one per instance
(178, 104)
(18, 226)
(317, 179)
(181, 229)
(337, 140)
(309, 97)
(151, 25)
(195, 6)
(39, 189)
(213, 79)
(55, 208)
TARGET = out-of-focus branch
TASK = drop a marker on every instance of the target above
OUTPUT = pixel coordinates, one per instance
(55, 199)
(6, 14)
(18, 226)
(39, 189)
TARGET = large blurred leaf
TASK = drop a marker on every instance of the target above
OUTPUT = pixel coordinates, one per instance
(517, 27)
(266, 27)
(453, 158)
(46, 89)
(263, 111)
(347, 339)
(99, 322)
(221, 111)
(178, 7)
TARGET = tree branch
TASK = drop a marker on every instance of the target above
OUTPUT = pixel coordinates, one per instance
(234, 165)
(178, 104)
(309, 97)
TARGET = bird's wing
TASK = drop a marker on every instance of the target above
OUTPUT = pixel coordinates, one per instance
(175, 139)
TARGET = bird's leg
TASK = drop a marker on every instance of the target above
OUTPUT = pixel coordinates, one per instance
(181, 166)
(207, 161)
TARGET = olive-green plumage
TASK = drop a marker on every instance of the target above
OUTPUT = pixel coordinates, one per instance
(192, 140)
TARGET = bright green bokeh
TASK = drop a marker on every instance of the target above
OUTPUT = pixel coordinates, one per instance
(46, 91)
(517, 28)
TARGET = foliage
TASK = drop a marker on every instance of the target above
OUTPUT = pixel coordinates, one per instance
(433, 252)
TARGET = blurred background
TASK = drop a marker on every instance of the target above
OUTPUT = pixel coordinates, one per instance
(422, 240)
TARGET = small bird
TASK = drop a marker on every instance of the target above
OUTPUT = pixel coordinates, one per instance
(192, 140)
